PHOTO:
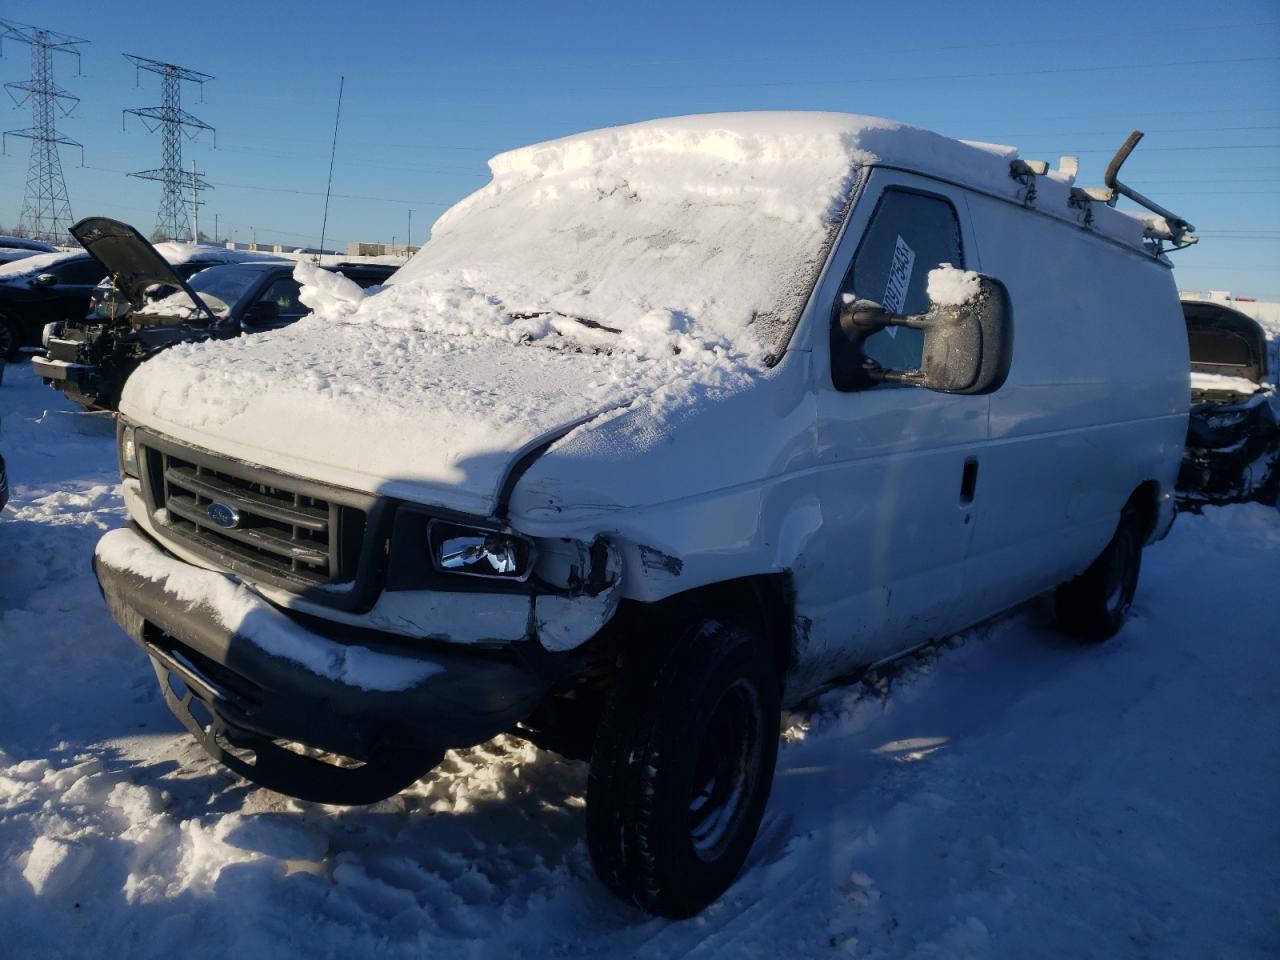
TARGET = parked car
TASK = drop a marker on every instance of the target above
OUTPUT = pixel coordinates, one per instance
(90, 360)
(186, 259)
(669, 426)
(1233, 434)
(41, 289)
(16, 248)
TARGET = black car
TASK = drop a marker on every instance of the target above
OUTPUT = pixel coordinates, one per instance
(40, 289)
(16, 248)
(91, 359)
(1233, 432)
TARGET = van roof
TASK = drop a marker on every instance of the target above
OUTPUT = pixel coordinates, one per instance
(801, 136)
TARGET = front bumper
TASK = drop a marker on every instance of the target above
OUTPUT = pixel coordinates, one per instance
(252, 676)
(62, 370)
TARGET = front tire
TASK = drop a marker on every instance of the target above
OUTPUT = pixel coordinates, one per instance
(10, 339)
(682, 766)
(1095, 605)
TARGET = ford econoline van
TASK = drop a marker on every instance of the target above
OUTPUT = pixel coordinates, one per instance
(667, 427)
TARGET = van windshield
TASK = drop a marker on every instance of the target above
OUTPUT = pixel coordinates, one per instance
(706, 230)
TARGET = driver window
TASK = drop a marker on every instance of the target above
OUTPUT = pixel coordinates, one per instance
(284, 294)
(79, 271)
(909, 235)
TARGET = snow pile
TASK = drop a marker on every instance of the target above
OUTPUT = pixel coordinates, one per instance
(952, 287)
(327, 293)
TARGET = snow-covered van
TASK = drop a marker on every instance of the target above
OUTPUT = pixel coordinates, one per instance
(667, 427)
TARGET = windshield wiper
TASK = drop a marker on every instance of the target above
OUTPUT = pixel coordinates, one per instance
(585, 321)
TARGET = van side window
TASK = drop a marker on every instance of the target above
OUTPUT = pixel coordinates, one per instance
(909, 235)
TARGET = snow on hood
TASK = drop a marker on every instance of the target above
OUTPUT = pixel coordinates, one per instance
(646, 264)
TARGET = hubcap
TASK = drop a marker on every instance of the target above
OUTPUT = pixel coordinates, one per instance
(723, 775)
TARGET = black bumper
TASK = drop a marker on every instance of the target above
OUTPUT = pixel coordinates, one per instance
(238, 699)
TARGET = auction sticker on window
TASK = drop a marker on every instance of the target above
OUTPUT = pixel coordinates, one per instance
(895, 291)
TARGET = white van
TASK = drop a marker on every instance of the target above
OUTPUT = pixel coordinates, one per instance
(668, 426)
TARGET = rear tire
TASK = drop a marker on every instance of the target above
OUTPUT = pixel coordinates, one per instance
(682, 766)
(10, 339)
(1095, 604)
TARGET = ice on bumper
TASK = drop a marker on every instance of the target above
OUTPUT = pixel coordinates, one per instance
(245, 614)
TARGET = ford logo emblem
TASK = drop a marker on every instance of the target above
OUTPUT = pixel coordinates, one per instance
(224, 515)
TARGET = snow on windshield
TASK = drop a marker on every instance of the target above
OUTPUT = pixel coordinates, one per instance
(220, 287)
(652, 237)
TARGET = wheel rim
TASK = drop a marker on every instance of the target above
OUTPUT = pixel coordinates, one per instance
(1119, 574)
(723, 774)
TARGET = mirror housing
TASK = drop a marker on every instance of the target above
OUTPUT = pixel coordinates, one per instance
(968, 347)
(45, 280)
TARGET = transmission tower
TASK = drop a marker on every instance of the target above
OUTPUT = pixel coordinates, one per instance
(171, 220)
(46, 208)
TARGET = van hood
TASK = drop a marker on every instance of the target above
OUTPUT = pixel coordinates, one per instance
(432, 418)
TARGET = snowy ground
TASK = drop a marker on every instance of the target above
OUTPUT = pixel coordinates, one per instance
(1005, 795)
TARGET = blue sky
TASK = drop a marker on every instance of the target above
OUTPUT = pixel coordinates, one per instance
(432, 90)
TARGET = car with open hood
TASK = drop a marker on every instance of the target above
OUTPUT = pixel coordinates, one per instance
(668, 426)
(1233, 432)
(161, 296)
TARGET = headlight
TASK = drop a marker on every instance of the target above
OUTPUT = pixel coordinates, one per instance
(128, 451)
(476, 552)
(51, 330)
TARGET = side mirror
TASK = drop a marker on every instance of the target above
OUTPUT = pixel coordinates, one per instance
(262, 312)
(968, 345)
(45, 280)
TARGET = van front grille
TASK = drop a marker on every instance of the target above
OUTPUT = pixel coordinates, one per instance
(263, 524)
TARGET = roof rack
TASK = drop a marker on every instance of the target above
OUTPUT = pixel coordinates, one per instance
(1175, 229)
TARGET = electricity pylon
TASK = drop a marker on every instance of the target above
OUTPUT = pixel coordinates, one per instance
(46, 208)
(171, 220)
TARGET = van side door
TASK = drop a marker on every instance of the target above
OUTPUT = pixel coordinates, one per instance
(899, 464)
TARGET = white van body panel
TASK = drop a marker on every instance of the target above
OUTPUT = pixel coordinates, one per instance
(857, 496)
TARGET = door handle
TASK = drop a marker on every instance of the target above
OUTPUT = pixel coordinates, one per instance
(968, 480)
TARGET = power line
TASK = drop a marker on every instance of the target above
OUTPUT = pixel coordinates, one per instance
(913, 78)
(171, 219)
(46, 206)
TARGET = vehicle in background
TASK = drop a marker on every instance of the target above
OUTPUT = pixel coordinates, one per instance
(648, 441)
(1232, 451)
(4, 474)
(41, 289)
(16, 248)
(186, 259)
(90, 360)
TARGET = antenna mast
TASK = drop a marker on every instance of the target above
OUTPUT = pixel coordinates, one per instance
(333, 151)
(46, 208)
(171, 219)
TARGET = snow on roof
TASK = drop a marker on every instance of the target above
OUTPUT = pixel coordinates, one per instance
(176, 252)
(37, 264)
